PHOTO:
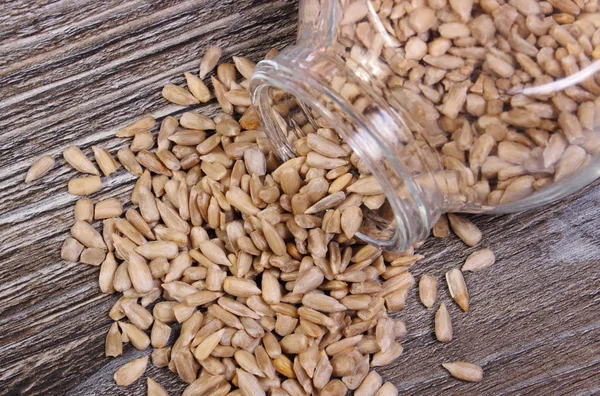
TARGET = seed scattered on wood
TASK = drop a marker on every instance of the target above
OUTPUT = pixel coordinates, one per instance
(155, 389)
(39, 168)
(131, 371)
(175, 94)
(84, 185)
(113, 345)
(209, 60)
(479, 260)
(458, 288)
(464, 371)
(105, 161)
(78, 160)
(428, 290)
(443, 324)
(464, 229)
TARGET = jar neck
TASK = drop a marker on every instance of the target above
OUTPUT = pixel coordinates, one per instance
(302, 82)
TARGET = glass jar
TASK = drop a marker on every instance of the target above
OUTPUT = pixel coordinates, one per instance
(452, 105)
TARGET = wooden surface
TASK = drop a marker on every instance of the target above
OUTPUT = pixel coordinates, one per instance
(72, 72)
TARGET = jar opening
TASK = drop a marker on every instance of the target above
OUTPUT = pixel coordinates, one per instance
(288, 107)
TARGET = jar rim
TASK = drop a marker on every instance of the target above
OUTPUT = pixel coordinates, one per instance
(282, 74)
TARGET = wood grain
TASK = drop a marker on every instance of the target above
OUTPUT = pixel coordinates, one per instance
(73, 73)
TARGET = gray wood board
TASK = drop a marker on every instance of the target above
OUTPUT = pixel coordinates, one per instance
(73, 72)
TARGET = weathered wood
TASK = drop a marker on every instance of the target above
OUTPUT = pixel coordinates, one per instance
(72, 72)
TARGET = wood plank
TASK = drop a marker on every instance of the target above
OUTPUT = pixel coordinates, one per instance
(73, 73)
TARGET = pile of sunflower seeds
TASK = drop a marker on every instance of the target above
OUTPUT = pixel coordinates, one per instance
(256, 259)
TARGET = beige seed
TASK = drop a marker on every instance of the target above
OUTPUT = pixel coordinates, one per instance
(87, 235)
(275, 241)
(131, 371)
(197, 87)
(154, 388)
(93, 256)
(84, 185)
(127, 159)
(113, 345)
(180, 96)
(464, 371)
(105, 161)
(209, 60)
(241, 201)
(465, 230)
(108, 208)
(441, 229)
(240, 287)
(143, 124)
(71, 250)
(39, 168)
(384, 358)
(139, 273)
(387, 389)
(107, 274)
(220, 90)
(77, 159)
(322, 302)
(428, 290)
(572, 159)
(84, 210)
(245, 66)
(351, 220)
(248, 384)
(443, 324)
(205, 348)
(369, 385)
(458, 288)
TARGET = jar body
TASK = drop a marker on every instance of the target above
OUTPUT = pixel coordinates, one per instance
(452, 106)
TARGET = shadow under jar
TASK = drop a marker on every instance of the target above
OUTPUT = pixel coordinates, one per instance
(453, 106)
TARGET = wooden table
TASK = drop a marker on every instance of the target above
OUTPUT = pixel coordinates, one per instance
(73, 72)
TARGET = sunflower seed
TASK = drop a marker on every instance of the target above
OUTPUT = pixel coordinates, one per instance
(458, 288)
(77, 159)
(464, 229)
(113, 346)
(209, 60)
(155, 389)
(180, 96)
(131, 371)
(39, 168)
(428, 290)
(479, 260)
(84, 185)
(443, 324)
(105, 161)
(464, 371)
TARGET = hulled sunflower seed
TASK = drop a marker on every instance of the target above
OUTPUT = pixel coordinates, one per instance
(443, 324)
(84, 185)
(78, 160)
(464, 229)
(458, 288)
(39, 168)
(155, 389)
(131, 371)
(209, 60)
(113, 345)
(105, 161)
(464, 371)
(428, 290)
(180, 96)
(479, 260)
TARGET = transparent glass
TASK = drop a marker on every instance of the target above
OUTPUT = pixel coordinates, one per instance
(462, 106)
